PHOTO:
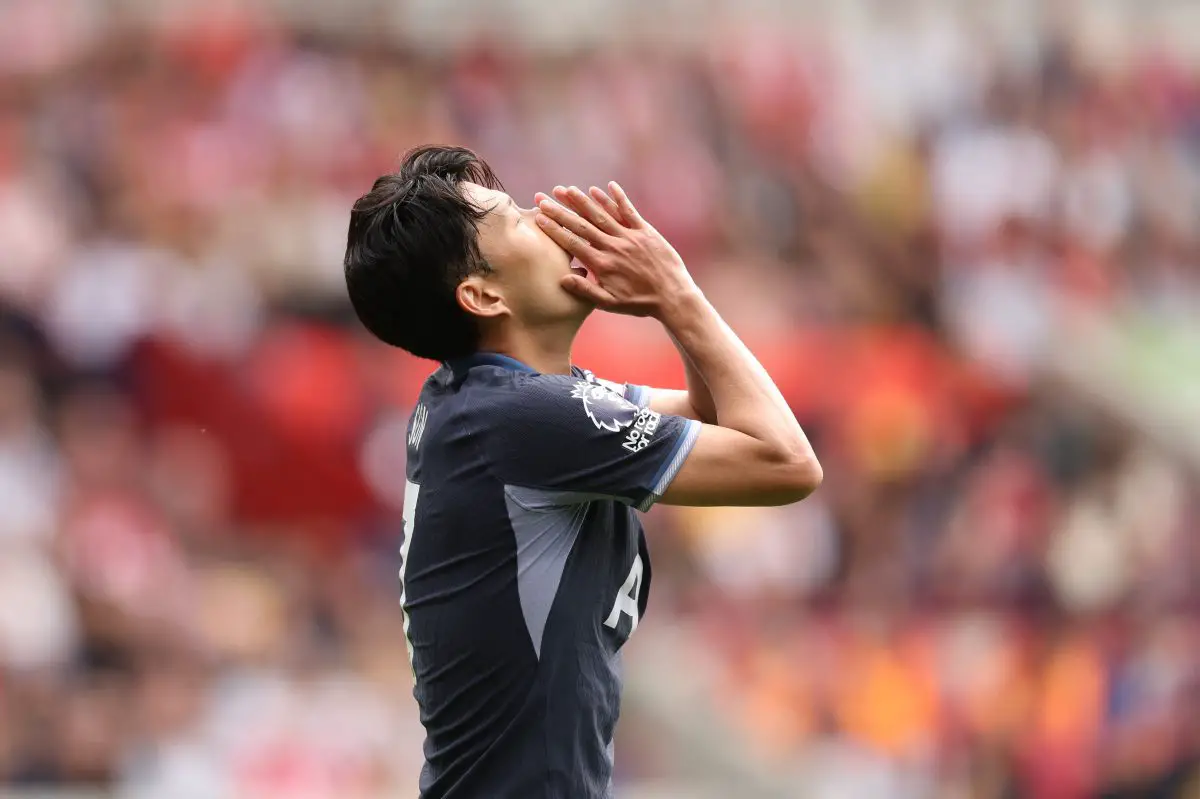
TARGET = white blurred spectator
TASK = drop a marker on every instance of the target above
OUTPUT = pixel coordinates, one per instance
(29, 479)
(36, 234)
(1089, 560)
(983, 176)
(1000, 306)
(38, 617)
(104, 301)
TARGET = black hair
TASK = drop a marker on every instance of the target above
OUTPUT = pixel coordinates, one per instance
(413, 238)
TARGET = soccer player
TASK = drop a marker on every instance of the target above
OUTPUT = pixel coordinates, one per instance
(523, 566)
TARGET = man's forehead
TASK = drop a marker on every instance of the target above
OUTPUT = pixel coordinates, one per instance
(485, 198)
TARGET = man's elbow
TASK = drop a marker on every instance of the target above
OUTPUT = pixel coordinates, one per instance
(802, 476)
(809, 476)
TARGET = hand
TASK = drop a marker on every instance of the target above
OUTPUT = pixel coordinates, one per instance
(637, 271)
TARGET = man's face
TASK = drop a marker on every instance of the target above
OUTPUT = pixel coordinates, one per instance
(527, 265)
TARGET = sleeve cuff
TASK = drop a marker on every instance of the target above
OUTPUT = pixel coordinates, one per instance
(683, 448)
(638, 395)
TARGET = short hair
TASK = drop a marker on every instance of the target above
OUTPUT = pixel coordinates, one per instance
(413, 238)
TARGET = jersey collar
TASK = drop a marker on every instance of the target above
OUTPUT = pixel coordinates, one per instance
(460, 366)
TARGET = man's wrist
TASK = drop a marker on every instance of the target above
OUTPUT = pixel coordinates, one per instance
(681, 305)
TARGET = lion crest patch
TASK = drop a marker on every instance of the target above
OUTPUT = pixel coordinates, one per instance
(607, 409)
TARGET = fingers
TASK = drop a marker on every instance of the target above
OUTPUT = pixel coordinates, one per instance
(586, 207)
(572, 221)
(587, 290)
(607, 203)
(631, 216)
(564, 237)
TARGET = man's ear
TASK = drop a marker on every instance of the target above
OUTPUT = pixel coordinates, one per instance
(480, 297)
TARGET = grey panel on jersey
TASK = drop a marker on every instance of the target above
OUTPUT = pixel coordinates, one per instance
(545, 524)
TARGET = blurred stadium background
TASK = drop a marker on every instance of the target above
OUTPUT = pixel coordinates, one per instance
(964, 236)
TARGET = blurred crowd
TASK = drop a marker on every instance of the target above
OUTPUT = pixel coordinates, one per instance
(996, 593)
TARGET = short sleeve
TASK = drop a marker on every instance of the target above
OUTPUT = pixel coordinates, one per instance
(638, 395)
(583, 439)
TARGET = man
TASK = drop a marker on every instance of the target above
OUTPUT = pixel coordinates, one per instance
(523, 565)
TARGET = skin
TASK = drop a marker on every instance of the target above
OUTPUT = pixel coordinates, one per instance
(751, 450)
(522, 304)
(756, 453)
(529, 306)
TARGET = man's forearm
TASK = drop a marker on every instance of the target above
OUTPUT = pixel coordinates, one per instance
(698, 395)
(743, 395)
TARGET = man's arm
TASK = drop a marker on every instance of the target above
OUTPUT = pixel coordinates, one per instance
(674, 402)
(694, 403)
(757, 454)
(756, 449)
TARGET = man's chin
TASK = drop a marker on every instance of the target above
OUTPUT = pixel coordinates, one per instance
(584, 307)
(581, 308)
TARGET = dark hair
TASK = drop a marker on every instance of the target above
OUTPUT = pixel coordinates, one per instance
(413, 238)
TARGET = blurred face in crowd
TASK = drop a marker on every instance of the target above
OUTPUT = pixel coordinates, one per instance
(526, 267)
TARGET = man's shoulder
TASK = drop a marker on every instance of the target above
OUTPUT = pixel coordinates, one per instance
(513, 403)
(494, 398)
(487, 398)
(499, 387)
(570, 397)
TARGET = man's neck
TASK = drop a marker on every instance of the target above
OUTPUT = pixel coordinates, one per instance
(548, 353)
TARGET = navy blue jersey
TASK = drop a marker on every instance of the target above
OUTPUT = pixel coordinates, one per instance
(524, 571)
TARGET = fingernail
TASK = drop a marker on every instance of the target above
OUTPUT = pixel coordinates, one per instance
(544, 221)
(559, 188)
(544, 205)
